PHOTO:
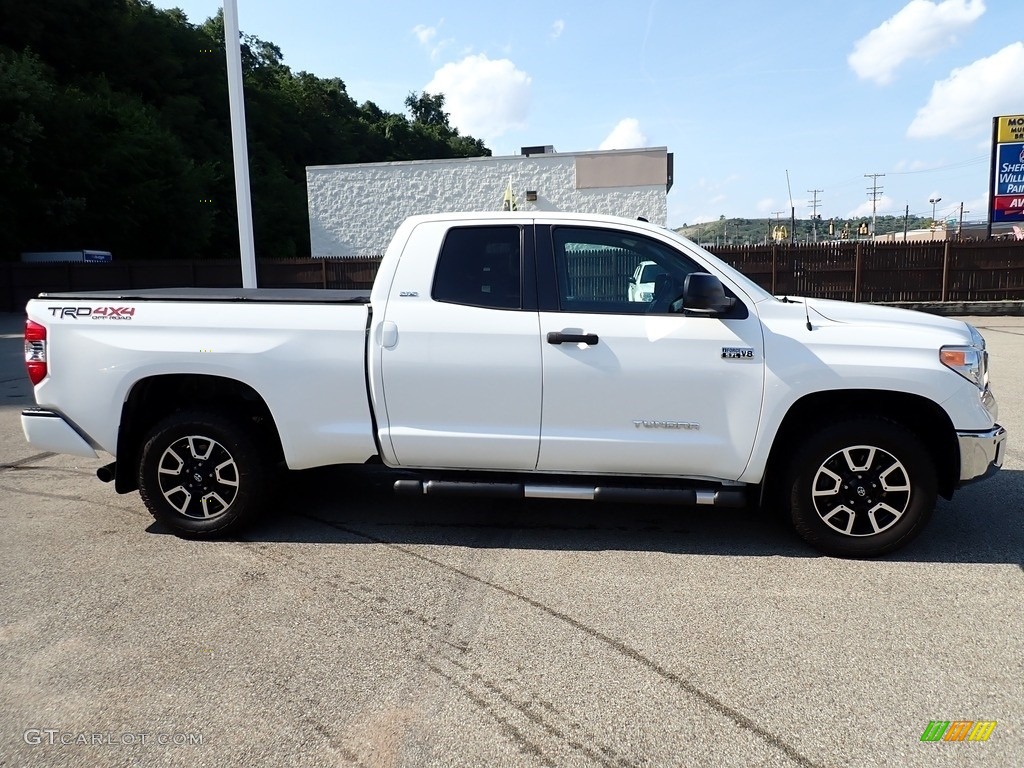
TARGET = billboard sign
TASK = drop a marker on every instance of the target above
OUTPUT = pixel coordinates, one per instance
(1010, 129)
(1006, 178)
(1010, 170)
(1008, 208)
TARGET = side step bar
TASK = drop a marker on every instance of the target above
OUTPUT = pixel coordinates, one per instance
(686, 497)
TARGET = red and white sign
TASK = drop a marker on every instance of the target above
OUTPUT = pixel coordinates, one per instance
(1008, 208)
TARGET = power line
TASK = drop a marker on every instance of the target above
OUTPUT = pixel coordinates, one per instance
(961, 164)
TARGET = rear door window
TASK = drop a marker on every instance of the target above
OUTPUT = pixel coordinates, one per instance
(481, 267)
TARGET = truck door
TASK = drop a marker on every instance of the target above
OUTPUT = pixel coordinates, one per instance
(460, 358)
(629, 385)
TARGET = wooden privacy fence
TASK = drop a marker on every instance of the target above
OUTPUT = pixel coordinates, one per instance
(985, 270)
(856, 271)
(866, 271)
(601, 274)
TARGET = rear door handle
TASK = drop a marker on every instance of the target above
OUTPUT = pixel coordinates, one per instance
(558, 337)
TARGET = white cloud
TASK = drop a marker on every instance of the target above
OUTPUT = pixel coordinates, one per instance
(424, 33)
(427, 37)
(705, 183)
(765, 205)
(919, 30)
(963, 104)
(916, 166)
(557, 29)
(885, 205)
(625, 135)
(485, 98)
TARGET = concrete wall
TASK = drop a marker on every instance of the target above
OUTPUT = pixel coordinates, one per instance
(354, 209)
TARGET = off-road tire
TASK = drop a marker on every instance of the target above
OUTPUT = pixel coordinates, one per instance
(861, 487)
(204, 474)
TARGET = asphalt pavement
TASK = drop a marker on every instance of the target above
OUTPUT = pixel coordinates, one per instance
(354, 628)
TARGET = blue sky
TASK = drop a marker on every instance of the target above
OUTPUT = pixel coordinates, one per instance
(742, 91)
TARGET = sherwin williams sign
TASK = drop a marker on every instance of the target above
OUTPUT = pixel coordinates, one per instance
(1010, 170)
(1007, 177)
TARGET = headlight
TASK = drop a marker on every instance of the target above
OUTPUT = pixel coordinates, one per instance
(970, 362)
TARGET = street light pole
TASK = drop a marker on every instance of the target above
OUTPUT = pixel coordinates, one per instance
(933, 201)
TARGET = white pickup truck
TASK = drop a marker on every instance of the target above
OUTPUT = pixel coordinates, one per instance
(501, 354)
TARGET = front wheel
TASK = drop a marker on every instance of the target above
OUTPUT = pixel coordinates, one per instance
(861, 488)
(202, 474)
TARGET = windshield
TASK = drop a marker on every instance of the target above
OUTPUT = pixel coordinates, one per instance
(650, 272)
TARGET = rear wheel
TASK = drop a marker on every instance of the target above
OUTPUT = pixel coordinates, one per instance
(202, 474)
(861, 488)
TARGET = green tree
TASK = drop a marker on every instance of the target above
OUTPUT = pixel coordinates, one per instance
(115, 133)
(27, 93)
(428, 109)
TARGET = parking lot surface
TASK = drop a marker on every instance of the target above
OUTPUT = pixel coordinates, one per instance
(354, 628)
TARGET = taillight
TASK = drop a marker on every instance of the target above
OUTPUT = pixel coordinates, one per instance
(35, 351)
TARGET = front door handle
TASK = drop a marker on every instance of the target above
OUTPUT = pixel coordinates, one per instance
(558, 337)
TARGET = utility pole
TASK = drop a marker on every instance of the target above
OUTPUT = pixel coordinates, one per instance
(814, 212)
(960, 229)
(792, 212)
(874, 192)
(906, 219)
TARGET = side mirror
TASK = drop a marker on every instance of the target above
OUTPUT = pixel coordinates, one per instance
(703, 294)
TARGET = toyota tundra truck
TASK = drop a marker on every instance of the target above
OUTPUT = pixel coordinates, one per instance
(504, 355)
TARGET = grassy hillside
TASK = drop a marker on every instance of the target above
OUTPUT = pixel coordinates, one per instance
(741, 231)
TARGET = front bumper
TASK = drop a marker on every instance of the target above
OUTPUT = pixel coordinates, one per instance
(981, 453)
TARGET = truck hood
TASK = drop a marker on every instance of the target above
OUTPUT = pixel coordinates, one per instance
(871, 315)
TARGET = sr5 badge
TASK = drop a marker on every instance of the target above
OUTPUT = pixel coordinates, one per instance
(737, 353)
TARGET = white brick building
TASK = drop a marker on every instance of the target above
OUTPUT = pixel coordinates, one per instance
(354, 209)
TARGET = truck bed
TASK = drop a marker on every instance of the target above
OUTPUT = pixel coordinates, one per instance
(302, 351)
(220, 295)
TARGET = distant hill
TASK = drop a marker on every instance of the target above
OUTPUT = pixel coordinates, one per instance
(743, 231)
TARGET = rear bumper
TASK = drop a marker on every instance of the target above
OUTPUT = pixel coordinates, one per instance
(981, 453)
(49, 431)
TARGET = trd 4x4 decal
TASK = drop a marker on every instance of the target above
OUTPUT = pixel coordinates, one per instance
(95, 313)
